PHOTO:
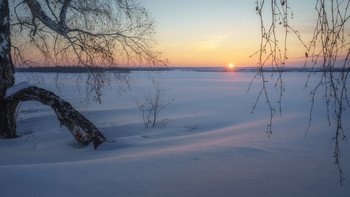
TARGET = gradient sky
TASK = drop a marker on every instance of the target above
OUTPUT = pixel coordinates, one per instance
(216, 33)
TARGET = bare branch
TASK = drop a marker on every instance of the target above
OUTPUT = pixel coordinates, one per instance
(90, 33)
(328, 49)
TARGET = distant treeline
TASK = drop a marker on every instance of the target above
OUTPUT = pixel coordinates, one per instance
(69, 69)
(79, 69)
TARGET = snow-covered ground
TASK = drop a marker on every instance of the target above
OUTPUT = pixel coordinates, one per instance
(211, 146)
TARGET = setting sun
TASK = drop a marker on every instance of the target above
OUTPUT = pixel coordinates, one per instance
(231, 66)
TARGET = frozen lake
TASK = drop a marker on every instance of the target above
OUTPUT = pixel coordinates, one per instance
(212, 144)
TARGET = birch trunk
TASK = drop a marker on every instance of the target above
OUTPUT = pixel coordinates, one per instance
(80, 127)
(7, 110)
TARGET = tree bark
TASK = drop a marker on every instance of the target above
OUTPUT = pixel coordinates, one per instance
(8, 119)
(80, 127)
(7, 112)
(6, 66)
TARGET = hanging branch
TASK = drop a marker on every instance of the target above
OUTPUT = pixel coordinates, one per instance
(329, 49)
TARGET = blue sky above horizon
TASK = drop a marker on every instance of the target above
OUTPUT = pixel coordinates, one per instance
(217, 33)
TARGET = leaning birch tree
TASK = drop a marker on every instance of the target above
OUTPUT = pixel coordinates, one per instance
(86, 33)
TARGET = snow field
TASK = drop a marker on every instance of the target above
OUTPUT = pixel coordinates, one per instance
(211, 146)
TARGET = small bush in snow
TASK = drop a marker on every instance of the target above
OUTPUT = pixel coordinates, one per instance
(153, 103)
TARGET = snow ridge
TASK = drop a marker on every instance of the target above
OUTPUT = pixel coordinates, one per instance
(18, 87)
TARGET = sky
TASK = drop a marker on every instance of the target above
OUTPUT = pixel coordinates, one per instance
(219, 33)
